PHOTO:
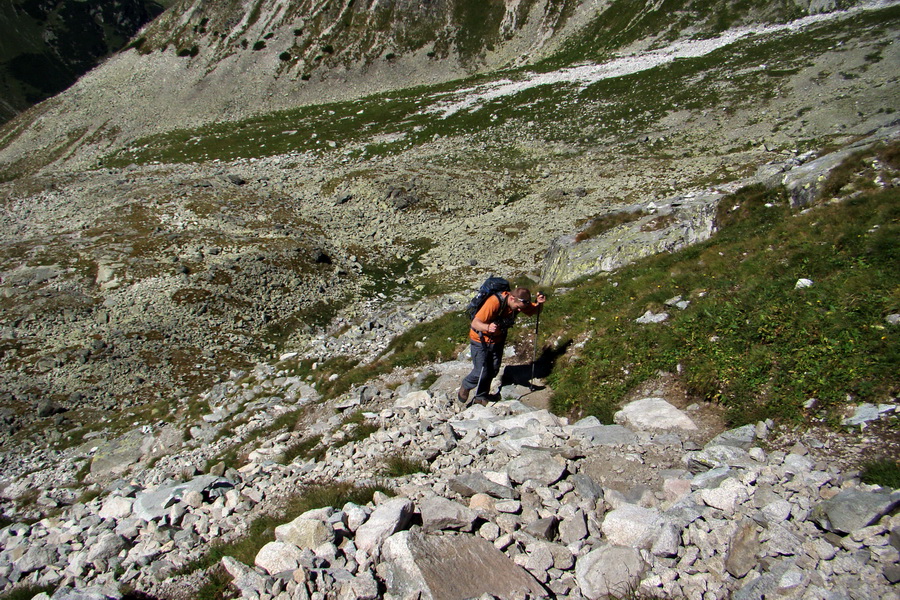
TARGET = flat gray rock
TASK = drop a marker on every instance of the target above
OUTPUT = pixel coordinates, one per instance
(154, 504)
(653, 413)
(598, 434)
(610, 570)
(536, 466)
(741, 437)
(713, 457)
(116, 456)
(451, 567)
(440, 513)
(854, 509)
(475, 483)
(633, 526)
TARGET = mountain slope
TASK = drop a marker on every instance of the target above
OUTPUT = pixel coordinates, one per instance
(200, 250)
(46, 45)
(216, 61)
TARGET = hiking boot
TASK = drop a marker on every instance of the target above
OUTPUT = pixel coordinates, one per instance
(463, 395)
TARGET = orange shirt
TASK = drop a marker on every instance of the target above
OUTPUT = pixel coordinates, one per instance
(490, 313)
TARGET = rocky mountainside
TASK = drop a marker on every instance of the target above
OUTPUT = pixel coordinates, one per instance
(45, 46)
(514, 502)
(220, 61)
(249, 187)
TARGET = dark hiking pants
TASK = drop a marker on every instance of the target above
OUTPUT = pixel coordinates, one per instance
(485, 357)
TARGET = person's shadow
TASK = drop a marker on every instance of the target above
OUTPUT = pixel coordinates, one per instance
(543, 366)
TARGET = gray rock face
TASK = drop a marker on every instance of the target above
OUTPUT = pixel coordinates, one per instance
(387, 519)
(609, 571)
(691, 221)
(805, 182)
(117, 456)
(854, 509)
(451, 568)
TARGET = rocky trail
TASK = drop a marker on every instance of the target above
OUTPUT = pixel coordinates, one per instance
(525, 504)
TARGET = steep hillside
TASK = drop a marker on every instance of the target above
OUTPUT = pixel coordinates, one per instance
(45, 46)
(221, 61)
(263, 214)
(201, 250)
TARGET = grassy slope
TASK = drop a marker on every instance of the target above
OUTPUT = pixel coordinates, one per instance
(743, 75)
(748, 340)
(775, 348)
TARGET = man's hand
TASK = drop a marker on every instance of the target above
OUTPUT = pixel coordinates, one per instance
(541, 298)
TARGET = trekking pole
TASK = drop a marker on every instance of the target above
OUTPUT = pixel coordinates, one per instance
(478, 386)
(537, 321)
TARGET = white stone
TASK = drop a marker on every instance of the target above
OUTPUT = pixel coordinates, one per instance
(727, 496)
(633, 526)
(276, 557)
(117, 507)
(654, 413)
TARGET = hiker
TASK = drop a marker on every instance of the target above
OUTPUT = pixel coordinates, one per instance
(487, 336)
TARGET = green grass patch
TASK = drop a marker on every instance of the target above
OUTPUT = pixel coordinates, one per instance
(306, 449)
(749, 340)
(354, 428)
(433, 341)
(399, 465)
(884, 472)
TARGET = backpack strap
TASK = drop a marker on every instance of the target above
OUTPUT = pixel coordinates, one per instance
(504, 300)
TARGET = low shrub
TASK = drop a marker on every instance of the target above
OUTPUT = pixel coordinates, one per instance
(399, 465)
(883, 471)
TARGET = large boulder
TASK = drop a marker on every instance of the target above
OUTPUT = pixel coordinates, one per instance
(536, 466)
(117, 456)
(305, 533)
(854, 509)
(653, 413)
(675, 224)
(609, 571)
(387, 519)
(451, 567)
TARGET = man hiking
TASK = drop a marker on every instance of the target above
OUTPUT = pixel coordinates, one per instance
(487, 335)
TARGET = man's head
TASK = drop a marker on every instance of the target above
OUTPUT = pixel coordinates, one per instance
(519, 297)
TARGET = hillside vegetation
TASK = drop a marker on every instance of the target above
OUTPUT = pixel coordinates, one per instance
(235, 256)
(749, 339)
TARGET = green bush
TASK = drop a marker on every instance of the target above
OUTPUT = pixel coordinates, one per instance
(399, 465)
(884, 472)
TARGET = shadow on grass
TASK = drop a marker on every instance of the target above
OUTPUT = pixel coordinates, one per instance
(539, 369)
